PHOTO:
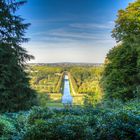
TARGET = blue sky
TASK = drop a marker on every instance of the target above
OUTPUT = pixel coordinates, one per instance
(70, 30)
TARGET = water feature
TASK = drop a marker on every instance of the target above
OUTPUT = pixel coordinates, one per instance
(66, 98)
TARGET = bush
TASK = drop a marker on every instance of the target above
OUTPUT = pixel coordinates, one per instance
(121, 122)
(39, 113)
(61, 128)
(110, 121)
(7, 129)
(43, 98)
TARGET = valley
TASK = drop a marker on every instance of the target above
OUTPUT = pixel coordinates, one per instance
(48, 82)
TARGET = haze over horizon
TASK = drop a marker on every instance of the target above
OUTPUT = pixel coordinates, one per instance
(70, 30)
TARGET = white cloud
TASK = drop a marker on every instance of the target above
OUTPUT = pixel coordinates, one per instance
(92, 26)
(70, 35)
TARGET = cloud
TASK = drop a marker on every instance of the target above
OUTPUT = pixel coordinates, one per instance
(57, 20)
(67, 37)
(76, 33)
(92, 26)
(75, 42)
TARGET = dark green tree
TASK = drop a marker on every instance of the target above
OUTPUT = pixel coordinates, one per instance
(15, 91)
(121, 76)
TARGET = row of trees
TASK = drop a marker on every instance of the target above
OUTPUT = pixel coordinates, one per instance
(46, 79)
(85, 79)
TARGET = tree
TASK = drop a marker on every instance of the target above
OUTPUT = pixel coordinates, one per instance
(127, 28)
(121, 75)
(15, 92)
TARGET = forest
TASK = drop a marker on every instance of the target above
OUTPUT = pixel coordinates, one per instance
(106, 98)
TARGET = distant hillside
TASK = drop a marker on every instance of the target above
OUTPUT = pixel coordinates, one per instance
(67, 64)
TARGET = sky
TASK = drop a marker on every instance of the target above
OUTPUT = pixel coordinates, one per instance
(70, 30)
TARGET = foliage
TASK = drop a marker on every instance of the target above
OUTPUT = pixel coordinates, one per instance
(92, 99)
(46, 79)
(69, 128)
(7, 128)
(85, 86)
(43, 98)
(108, 120)
(85, 79)
(120, 123)
(127, 26)
(121, 75)
(38, 112)
(15, 93)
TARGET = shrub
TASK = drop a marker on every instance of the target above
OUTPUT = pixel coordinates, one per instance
(115, 123)
(109, 121)
(39, 113)
(61, 128)
(7, 129)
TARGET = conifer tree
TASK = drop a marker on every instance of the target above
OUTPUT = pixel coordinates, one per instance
(15, 91)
